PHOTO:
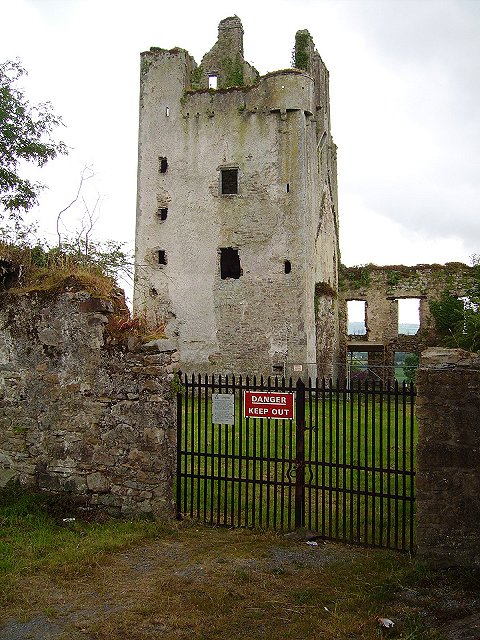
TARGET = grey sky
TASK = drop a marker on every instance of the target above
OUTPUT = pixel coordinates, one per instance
(404, 100)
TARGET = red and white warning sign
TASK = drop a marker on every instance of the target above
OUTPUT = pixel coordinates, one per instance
(268, 404)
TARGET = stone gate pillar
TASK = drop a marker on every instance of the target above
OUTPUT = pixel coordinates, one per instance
(448, 477)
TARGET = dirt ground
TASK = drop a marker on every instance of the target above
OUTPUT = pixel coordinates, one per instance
(204, 584)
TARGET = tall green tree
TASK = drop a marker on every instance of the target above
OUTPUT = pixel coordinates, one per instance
(25, 135)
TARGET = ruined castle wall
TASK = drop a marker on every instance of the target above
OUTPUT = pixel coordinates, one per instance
(80, 417)
(382, 287)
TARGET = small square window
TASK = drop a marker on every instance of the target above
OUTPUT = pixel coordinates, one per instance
(229, 181)
(212, 82)
(162, 214)
(162, 257)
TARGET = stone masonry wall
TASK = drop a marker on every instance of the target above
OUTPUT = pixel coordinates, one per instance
(79, 416)
(448, 476)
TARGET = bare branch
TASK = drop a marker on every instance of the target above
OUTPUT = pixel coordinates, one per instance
(87, 173)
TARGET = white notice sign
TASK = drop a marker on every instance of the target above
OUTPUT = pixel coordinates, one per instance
(223, 408)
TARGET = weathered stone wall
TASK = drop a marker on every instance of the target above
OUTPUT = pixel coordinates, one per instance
(448, 475)
(381, 288)
(79, 416)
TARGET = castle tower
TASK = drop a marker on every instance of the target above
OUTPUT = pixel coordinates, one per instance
(236, 237)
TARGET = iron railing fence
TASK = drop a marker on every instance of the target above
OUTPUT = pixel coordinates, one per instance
(343, 467)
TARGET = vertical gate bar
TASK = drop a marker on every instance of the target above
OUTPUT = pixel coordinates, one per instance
(269, 479)
(260, 463)
(240, 447)
(233, 459)
(396, 465)
(365, 462)
(206, 457)
(199, 444)
(218, 456)
(254, 464)
(389, 464)
(185, 465)
(192, 444)
(380, 465)
(324, 427)
(213, 451)
(330, 458)
(337, 457)
(374, 460)
(290, 462)
(276, 457)
(344, 459)
(308, 454)
(359, 459)
(300, 456)
(178, 487)
(352, 459)
(412, 463)
(317, 459)
(404, 465)
(247, 462)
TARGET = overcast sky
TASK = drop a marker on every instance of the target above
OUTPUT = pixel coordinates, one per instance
(405, 99)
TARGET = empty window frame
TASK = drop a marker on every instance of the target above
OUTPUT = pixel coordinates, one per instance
(229, 263)
(162, 213)
(287, 266)
(408, 316)
(162, 164)
(162, 256)
(212, 81)
(229, 181)
(356, 317)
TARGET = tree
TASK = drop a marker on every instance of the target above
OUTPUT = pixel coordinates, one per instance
(458, 320)
(25, 135)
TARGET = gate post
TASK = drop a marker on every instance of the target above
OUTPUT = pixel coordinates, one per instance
(300, 455)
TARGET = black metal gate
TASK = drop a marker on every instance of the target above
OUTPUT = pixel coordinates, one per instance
(343, 467)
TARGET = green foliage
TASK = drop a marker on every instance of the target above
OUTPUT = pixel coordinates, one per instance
(145, 65)
(458, 321)
(393, 278)
(233, 70)
(301, 56)
(196, 78)
(176, 385)
(356, 277)
(410, 366)
(25, 135)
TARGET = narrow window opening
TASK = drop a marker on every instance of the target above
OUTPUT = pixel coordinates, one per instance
(408, 316)
(162, 214)
(229, 263)
(153, 292)
(277, 369)
(167, 111)
(356, 317)
(288, 187)
(162, 164)
(288, 266)
(212, 82)
(229, 184)
(162, 256)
